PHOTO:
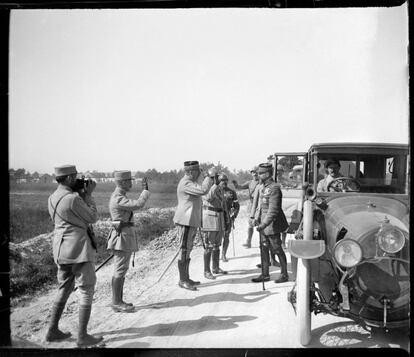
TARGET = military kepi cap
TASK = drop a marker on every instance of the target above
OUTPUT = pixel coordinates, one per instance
(65, 170)
(190, 165)
(265, 167)
(332, 161)
(122, 175)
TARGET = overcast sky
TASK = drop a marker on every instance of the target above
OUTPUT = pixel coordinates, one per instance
(141, 89)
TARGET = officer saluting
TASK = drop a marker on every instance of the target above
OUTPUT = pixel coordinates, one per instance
(122, 240)
(73, 251)
(188, 215)
(271, 222)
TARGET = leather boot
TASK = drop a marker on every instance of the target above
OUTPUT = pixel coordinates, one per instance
(248, 243)
(273, 260)
(84, 339)
(283, 262)
(265, 271)
(117, 304)
(183, 282)
(207, 271)
(187, 272)
(224, 251)
(122, 294)
(53, 333)
(216, 268)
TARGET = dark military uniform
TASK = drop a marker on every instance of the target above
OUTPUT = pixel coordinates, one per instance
(215, 220)
(272, 222)
(232, 207)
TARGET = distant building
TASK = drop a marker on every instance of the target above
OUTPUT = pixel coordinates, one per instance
(46, 178)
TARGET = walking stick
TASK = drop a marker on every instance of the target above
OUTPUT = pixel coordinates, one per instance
(169, 264)
(261, 259)
(106, 261)
(232, 236)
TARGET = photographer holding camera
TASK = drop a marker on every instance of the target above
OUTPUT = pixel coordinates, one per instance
(122, 240)
(73, 250)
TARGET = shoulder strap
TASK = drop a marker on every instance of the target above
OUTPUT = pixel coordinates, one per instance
(55, 208)
(55, 212)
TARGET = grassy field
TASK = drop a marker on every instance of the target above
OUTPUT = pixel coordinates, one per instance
(29, 216)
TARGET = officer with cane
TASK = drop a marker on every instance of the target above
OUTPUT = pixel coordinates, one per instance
(73, 250)
(232, 208)
(122, 240)
(271, 221)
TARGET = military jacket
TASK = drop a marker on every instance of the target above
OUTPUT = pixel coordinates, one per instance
(71, 215)
(214, 214)
(189, 192)
(121, 209)
(231, 201)
(268, 201)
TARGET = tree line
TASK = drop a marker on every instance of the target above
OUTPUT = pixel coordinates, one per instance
(172, 176)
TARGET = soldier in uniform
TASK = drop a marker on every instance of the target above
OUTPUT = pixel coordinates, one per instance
(73, 251)
(271, 221)
(251, 186)
(215, 221)
(232, 207)
(122, 240)
(188, 215)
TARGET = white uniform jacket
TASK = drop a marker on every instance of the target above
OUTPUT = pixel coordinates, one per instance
(189, 192)
(121, 209)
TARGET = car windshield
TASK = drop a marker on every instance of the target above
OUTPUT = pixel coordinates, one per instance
(289, 171)
(365, 173)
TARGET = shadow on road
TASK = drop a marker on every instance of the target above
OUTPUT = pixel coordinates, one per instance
(350, 334)
(210, 298)
(179, 328)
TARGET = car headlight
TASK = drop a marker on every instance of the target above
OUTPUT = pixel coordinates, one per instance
(390, 239)
(348, 253)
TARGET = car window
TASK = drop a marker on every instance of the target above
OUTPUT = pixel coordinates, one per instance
(372, 173)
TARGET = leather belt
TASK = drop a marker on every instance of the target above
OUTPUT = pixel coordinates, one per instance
(214, 209)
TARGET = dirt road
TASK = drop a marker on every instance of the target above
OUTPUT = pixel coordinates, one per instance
(229, 312)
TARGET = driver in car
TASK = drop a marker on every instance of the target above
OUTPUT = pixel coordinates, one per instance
(332, 166)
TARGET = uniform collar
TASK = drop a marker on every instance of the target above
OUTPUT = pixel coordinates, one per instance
(120, 190)
(267, 182)
(64, 188)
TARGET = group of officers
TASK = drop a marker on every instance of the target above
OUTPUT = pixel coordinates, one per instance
(205, 204)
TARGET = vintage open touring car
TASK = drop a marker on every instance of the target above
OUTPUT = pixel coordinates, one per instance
(352, 234)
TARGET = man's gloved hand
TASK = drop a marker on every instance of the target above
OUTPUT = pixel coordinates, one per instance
(144, 184)
(260, 227)
(212, 172)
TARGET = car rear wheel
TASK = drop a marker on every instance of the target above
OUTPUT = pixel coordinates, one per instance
(303, 281)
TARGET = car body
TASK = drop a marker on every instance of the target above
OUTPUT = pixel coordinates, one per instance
(352, 243)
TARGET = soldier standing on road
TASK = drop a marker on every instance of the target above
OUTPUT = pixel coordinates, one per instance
(271, 222)
(73, 251)
(251, 186)
(232, 208)
(215, 220)
(188, 215)
(122, 240)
